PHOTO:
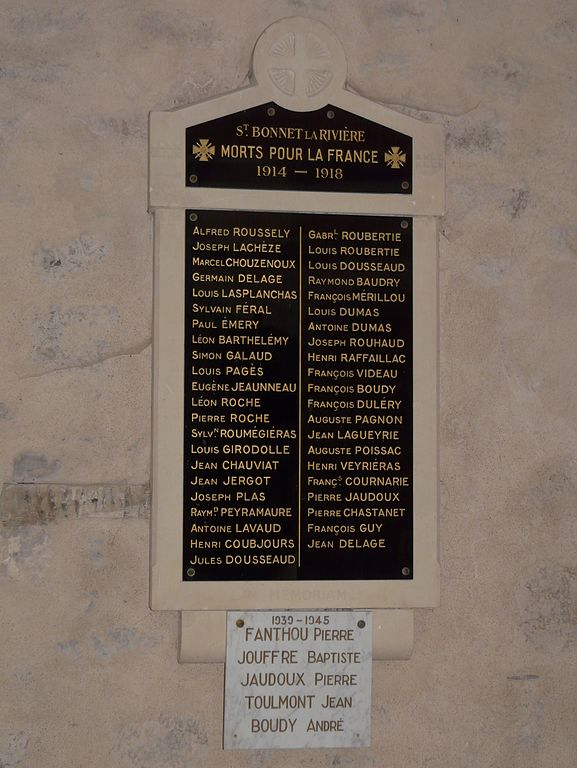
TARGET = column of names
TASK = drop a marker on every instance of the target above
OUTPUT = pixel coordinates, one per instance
(357, 398)
(242, 369)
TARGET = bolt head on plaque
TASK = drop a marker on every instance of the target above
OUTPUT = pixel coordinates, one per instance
(300, 62)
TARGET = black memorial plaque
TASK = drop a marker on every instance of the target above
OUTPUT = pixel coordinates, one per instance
(328, 150)
(298, 435)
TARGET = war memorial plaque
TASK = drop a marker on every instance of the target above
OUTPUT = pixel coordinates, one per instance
(327, 150)
(295, 350)
(298, 679)
(298, 397)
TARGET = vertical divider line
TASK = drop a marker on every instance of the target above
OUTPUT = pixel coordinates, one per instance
(300, 420)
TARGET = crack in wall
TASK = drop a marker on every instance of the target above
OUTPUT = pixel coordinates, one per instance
(135, 350)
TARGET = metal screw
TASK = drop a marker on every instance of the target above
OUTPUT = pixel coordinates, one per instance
(330, 114)
(193, 178)
(405, 185)
(193, 217)
(271, 111)
(190, 572)
(240, 623)
(406, 571)
(361, 624)
(404, 224)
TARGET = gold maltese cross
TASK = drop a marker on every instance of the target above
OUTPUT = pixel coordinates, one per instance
(395, 158)
(204, 150)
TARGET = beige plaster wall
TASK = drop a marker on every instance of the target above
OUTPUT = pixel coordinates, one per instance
(89, 674)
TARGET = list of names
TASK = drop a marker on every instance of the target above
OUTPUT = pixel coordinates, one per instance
(298, 397)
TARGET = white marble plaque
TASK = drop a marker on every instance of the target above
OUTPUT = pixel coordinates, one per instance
(298, 679)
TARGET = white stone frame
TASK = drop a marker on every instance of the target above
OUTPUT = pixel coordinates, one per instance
(169, 197)
(167, 588)
(168, 167)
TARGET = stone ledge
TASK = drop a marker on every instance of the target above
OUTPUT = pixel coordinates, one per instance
(34, 503)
